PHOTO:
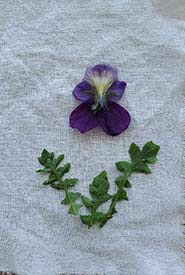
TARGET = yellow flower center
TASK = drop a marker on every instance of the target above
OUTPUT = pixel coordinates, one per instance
(102, 82)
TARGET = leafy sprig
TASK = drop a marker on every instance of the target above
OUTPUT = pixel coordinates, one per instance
(56, 181)
(139, 163)
(99, 188)
(99, 195)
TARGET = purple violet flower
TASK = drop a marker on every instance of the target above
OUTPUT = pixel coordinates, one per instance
(98, 92)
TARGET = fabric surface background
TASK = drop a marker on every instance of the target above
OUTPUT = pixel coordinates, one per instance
(45, 47)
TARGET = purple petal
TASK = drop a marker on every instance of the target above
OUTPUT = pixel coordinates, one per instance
(115, 92)
(83, 91)
(114, 120)
(101, 68)
(82, 118)
(101, 73)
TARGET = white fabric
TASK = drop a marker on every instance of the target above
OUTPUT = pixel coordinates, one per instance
(45, 48)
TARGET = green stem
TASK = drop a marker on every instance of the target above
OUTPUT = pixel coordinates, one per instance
(71, 202)
(65, 189)
(115, 200)
(93, 211)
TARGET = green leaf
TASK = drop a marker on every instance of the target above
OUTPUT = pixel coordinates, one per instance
(74, 209)
(51, 156)
(141, 167)
(59, 160)
(123, 166)
(141, 158)
(58, 186)
(150, 151)
(135, 152)
(70, 182)
(45, 157)
(87, 202)
(122, 195)
(50, 180)
(100, 217)
(120, 182)
(99, 186)
(63, 170)
(151, 160)
(101, 199)
(127, 184)
(71, 197)
(86, 219)
(45, 170)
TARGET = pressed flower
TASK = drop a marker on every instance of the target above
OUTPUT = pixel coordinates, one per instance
(98, 92)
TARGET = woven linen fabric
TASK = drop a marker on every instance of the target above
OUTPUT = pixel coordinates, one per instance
(45, 47)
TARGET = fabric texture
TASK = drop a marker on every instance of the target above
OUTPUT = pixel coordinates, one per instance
(45, 48)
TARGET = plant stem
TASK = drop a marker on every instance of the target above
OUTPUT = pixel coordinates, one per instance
(93, 211)
(65, 189)
(110, 211)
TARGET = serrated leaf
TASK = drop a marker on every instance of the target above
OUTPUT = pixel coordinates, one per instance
(127, 184)
(151, 160)
(50, 180)
(51, 156)
(71, 197)
(86, 219)
(123, 166)
(74, 209)
(45, 170)
(122, 195)
(45, 157)
(87, 202)
(135, 152)
(99, 186)
(140, 158)
(63, 170)
(70, 182)
(141, 167)
(120, 182)
(101, 199)
(59, 160)
(100, 217)
(57, 186)
(101, 178)
(150, 151)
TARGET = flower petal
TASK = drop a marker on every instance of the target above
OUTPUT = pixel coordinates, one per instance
(115, 92)
(114, 120)
(102, 68)
(83, 91)
(82, 118)
(101, 77)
